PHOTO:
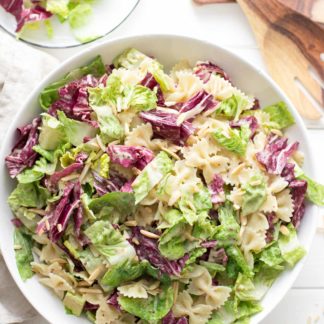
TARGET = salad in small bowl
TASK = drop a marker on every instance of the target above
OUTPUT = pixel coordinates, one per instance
(147, 196)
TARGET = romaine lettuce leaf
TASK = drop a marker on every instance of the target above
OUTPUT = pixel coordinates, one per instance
(280, 114)
(152, 308)
(254, 194)
(290, 248)
(232, 107)
(212, 267)
(271, 256)
(50, 94)
(236, 140)
(58, 7)
(24, 255)
(235, 254)
(79, 15)
(151, 175)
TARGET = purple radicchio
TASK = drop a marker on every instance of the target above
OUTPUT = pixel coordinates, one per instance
(271, 217)
(150, 82)
(171, 319)
(147, 249)
(200, 102)
(251, 121)
(276, 153)
(113, 301)
(205, 69)
(298, 192)
(165, 126)
(74, 100)
(22, 154)
(216, 189)
(218, 256)
(209, 244)
(56, 221)
(130, 156)
(115, 182)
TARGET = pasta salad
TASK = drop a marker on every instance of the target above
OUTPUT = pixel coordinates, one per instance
(151, 197)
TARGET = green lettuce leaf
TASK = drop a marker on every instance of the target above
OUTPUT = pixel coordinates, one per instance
(89, 260)
(212, 267)
(271, 256)
(235, 254)
(132, 59)
(228, 231)
(151, 175)
(152, 308)
(254, 194)
(232, 107)
(280, 114)
(52, 133)
(109, 242)
(58, 7)
(50, 94)
(235, 141)
(24, 255)
(101, 165)
(75, 130)
(79, 15)
(174, 244)
(290, 248)
(110, 127)
(122, 272)
(204, 229)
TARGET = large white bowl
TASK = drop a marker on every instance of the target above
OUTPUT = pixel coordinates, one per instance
(168, 49)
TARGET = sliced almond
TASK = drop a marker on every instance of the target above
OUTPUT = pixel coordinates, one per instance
(149, 234)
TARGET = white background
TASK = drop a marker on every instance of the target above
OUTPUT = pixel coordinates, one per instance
(225, 25)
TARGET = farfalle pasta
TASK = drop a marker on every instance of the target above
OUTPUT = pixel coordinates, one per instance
(148, 197)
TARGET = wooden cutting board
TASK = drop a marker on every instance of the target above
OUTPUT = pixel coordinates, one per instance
(313, 9)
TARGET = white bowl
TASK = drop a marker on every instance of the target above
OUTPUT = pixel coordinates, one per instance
(168, 49)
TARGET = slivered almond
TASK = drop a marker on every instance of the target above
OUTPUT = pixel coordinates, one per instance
(83, 283)
(131, 223)
(70, 177)
(238, 169)
(276, 131)
(84, 172)
(136, 171)
(149, 234)
(95, 274)
(255, 183)
(59, 228)
(47, 225)
(175, 290)
(58, 260)
(135, 241)
(17, 247)
(90, 290)
(37, 211)
(284, 230)
(101, 145)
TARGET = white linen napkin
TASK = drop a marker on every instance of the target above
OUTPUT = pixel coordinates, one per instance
(21, 69)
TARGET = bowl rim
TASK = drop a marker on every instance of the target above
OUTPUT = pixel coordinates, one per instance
(63, 65)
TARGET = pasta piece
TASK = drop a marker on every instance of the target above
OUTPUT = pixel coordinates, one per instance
(197, 313)
(183, 65)
(49, 252)
(203, 155)
(139, 289)
(270, 204)
(298, 157)
(106, 314)
(44, 269)
(144, 215)
(277, 184)
(253, 235)
(236, 197)
(128, 76)
(188, 84)
(285, 205)
(216, 296)
(57, 283)
(140, 136)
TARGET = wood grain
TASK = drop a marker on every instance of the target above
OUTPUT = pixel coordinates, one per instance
(290, 43)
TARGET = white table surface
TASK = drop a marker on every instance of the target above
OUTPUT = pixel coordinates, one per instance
(225, 25)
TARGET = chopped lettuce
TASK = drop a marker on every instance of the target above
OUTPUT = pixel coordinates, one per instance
(24, 255)
(122, 272)
(74, 303)
(204, 229)
(79, 15)
(75, 130)
(50, 94)
(110, 127)
(271, 256)
(232, 107)
(254, 194)
(212, 267)
(101, 165)
(235, 254)
(290, 248)
(236, 140)
(58, 7)
(280, 114)
(152, 308)
(174, 244)
(151, 175)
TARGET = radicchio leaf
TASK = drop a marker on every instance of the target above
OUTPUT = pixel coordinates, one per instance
(115, 182)
(59, 215)
(171, 319)
(251, 121)
(22, 154)
(205, 69)
(298, 192)
(130, 156)
(74, 100)
(271, 217)
(216, 188)
(276, 153)
(113, 301)
(165, 126)
(218, 256)
(150, 82)
(147, 249)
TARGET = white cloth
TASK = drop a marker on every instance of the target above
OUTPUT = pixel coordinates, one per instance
(21, 69)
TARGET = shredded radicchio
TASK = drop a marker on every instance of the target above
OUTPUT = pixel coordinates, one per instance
(251, 121)
(218, 256)
(216, 187)
(56, 221)
(74, 100)
(113, 301)
(22, 154)
(115, 182)
(271, 219)
(171, 319)
(276, 153)
(208, 244)
(130, 156)
(205, 69)
(16, 222)
(147, 249)
(298, 192)
(150, 82)
(90, 307)
(165, 126)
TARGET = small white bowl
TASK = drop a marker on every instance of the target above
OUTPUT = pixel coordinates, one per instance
(168, 49)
